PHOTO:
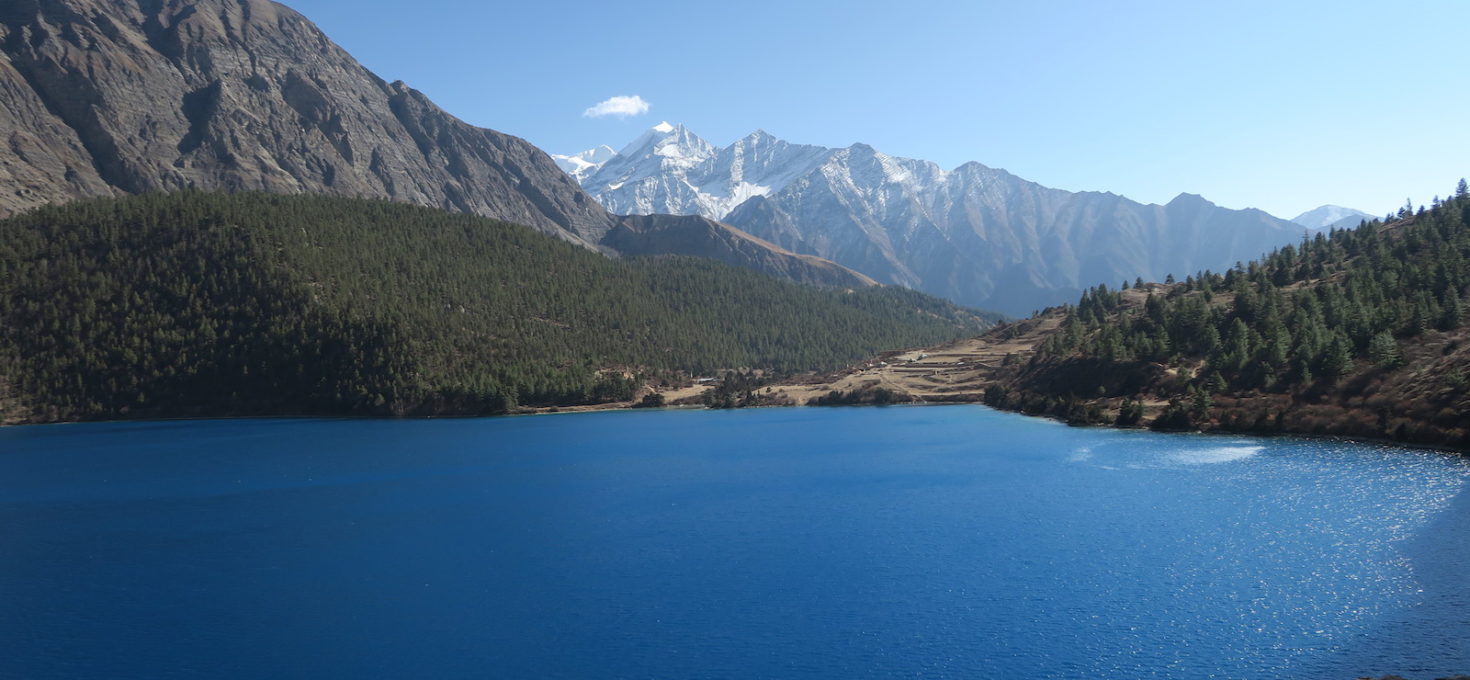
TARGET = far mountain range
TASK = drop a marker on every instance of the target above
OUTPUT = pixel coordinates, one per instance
(978, 235)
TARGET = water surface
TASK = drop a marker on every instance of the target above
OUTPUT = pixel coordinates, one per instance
(943, 542)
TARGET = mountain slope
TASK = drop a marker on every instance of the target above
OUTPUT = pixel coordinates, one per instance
(974, 234)
(198, 304)
(108, 97)
(703, 237)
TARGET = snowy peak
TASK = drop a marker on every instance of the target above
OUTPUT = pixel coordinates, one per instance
(1330, 217)
(869, 167)
(759, 159)
(683, 147)
(582, 165)
(648, 175)
(673, 142)
(669, 169)
(758, 138)
(599, 155)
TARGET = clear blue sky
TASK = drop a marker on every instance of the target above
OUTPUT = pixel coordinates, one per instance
(1277, 105)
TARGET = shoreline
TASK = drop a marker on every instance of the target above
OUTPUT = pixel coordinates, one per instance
(1217, 431)
(629, 407)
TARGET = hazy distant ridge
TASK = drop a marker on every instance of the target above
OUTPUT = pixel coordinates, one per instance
(1330, 217)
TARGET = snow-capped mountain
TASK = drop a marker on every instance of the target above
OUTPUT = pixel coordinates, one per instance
(980, 236)
(581, 165)
(649, 171)
(670, 170)
(1331, 217)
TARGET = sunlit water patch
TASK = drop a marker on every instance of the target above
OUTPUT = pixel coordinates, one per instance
(950, 542)
(1218, 454)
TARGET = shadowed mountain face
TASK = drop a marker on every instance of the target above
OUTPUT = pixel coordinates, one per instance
(977, 235)
(104, 97)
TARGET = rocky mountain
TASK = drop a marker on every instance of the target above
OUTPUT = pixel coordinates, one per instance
(106, 97)
(1329, 217)
(114, 97)
(977, 235)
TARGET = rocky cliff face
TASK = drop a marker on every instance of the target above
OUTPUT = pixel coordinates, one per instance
(101, 97)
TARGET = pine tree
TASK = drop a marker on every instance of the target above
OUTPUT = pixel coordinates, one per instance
(1200, 405)
(1337, 358)
(1130, 413)
(1384, 351)
(1450, 315)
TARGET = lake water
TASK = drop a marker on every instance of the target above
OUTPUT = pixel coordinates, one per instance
(941, 542)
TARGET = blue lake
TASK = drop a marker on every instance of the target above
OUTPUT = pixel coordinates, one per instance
(940, 542)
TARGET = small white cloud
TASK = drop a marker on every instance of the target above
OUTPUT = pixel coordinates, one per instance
(621, 106)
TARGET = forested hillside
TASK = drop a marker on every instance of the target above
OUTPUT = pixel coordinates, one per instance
(208, 304)
(1358, 332)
